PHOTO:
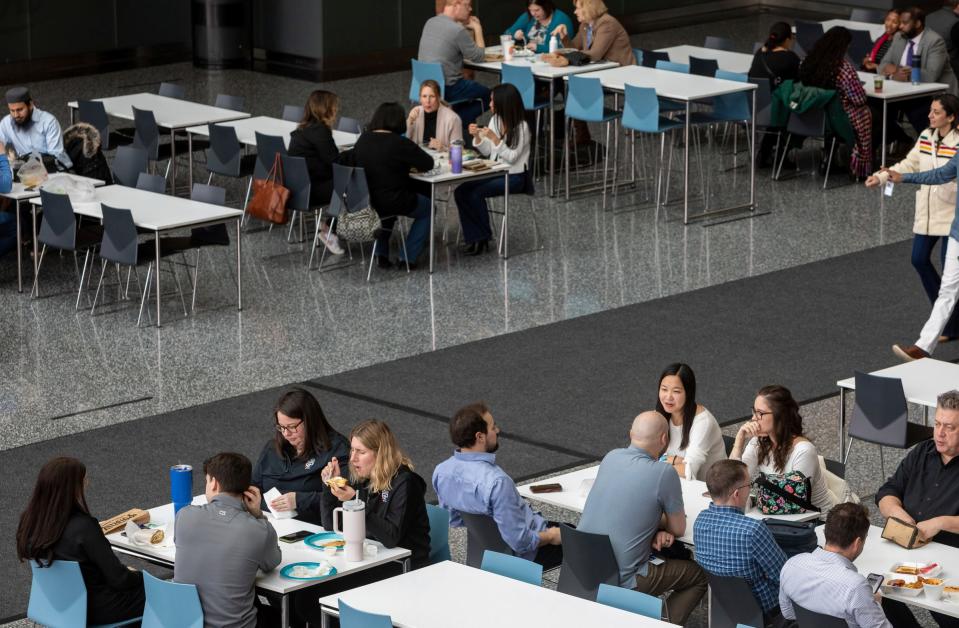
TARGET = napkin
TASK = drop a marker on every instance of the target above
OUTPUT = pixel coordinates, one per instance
(142, 537)
(269, 496)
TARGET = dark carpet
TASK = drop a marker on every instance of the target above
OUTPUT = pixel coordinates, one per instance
(564, 393)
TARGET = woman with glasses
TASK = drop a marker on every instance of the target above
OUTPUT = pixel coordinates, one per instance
(773, 443)
(303, 444)
(695, 438)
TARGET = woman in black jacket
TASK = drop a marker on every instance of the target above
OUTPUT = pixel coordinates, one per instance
(302, 445)
(313, 140)
(382, 476)
(57, 525)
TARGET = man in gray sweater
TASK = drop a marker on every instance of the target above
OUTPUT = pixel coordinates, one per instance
(221, 544)
(446, 41)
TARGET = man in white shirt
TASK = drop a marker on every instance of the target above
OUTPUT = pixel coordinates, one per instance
(30, 130)
(826, 581)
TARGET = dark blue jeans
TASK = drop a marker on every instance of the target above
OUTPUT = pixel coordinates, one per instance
(471, 203)
(415, 239)
(467, 89)
(8, 232)
(922, 246)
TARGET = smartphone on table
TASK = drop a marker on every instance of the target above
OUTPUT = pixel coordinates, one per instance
(293, 537)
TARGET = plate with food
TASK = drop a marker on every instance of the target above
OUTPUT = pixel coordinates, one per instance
(908, 585)
(323, 540)
(950, 593)
(308, 571)
(927, 570)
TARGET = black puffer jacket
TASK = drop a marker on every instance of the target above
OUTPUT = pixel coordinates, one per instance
(82, 144)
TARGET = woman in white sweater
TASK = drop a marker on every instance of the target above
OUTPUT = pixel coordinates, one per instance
(773, 443)
(506, 140)
(695, 438)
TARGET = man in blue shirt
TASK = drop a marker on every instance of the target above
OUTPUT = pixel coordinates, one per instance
(471, 482)
(633, 496)
(728, 543)
(30, 130)
(8, 220)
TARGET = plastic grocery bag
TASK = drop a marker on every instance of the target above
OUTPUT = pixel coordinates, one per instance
(32, 173)
(79, 190)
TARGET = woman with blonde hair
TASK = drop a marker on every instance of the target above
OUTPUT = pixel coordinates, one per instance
(382, 476)
(432, 122)
(600, 35)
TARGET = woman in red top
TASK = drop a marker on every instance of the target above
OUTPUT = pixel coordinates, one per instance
(882, 44)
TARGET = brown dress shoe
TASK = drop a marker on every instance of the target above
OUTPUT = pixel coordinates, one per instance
(910, 353)
(943, 339)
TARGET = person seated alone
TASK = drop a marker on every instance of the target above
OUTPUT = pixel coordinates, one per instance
(728, 543)
(221, 544)
(826, 580)
(29, 130)
(637, 500)
(8, 220)
(471, 482)
(924, 491)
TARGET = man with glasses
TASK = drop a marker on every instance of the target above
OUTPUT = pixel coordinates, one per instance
(471, 482)
(728, 543)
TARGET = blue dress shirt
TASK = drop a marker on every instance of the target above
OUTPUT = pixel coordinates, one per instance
(472, 483)
(40, 135)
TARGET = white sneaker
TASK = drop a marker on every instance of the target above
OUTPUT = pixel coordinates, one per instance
(331, 242)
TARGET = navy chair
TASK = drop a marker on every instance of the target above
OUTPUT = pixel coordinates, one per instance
(482, 534)
(349, 125)
(807, 34)
(809, 619)
(128, 163)
(719, 43)
(648, 58)
(292, 113)
(731, 602)
(870, 16)
(703, 67)
(59, 230)
(225, 157)
(225, 101)
(172, 90)
(588, 562)
(151, 183)
(95, 114)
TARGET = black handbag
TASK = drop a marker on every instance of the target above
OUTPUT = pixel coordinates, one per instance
(793, 537)
(576, 57)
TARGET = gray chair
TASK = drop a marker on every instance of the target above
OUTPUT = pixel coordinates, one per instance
(764, 126)
(588, 561)
(94, 113)
(731, 602)
(267, 147)
(807, 34)
(756, 46)
(881, 416)
(719, 43)
(349, 125)
(482, 534)
(151, 183)
(871, 16)
(225, 101)
(810, 123)
(806, 618)
(59, 230)
(292, 113)
(172, 90)
(225, 157)
(859, 47)
(703, 67)
(147, 136)
(342, 200)
(128, 163)
(296, 178)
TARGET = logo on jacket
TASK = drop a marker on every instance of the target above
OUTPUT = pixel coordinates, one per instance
(309, 464)
(384, 496)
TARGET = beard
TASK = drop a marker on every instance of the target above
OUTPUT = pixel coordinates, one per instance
(27, 122)
(492, 449)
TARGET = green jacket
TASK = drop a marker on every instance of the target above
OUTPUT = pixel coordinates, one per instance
(793, 96)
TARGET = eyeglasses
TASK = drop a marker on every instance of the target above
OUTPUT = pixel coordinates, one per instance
(758, 414)
(288, 429)
(743, 486)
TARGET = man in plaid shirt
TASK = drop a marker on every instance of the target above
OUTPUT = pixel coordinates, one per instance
(728, 543)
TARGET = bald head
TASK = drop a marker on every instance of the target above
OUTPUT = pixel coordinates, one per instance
(650, 431)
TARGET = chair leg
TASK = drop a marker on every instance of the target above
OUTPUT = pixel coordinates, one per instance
(196, 277)
(176, 280)
(289, 233)
(566, 139)
(36, 287)
(832, 148)
(782, 158)
(146, 291)
(406, 257)
(96, 295)
(606, 161)
(369, 273)
(316, 237)
(209, 179)
(246, 201)
(882, 463)
(83, 275)
(536, 142)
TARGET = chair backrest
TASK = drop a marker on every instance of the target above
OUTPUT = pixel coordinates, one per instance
(482, 534)
(172, 90)
(349, 125)
(764, 102)
(423, 71)
(588, 561)
(521, 77)
(296, 178)
(756, 46)
(584, 99)
(439, 533)
(292, 113)
(512, 567)
(211, 194)
(807, 34)
(170, 604)
(214, 234)
(809, 619)
(810, 123)
(128, 163)
(94, 113)
(146, 134)
(641, 109)
(223, 156)
(354, 618)
(119, 243)
(719, 43)
(225, 101)
(358, 192)
(880, 413)
(672, 67)
(703, 67)
(630, 600)
(871, 16)
(731, 602)
(58, 596)
(267, 146)
(735, 106)
(859, 47)
(151, 182)
(59, 226)
(648, 58)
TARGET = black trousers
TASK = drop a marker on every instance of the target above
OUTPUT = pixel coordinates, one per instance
(900, 616)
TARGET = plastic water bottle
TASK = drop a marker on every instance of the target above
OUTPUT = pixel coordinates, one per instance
(553, 44)
(916, 64)
(456, 157)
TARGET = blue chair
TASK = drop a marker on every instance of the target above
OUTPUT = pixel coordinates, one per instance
(585, 102)
(439, 533)
(521, 77)
(354, 618)
(671, 66)
(629, 600)
(641, 113)
(423, 71)
(58, 596)
(512, 567)
(171, 604)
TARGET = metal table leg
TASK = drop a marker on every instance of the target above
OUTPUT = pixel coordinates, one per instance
(432, 218)
(842, 422)
(239, 271)
(173, 158)
(752, 160)
(285, 611)
(156, 270)
(552, 134)
(506, 215)
(686, 168)
(189, 158)
(16, 209)
(33, 236)
(885, 111)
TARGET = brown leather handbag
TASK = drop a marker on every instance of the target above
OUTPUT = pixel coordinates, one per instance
(269, 196)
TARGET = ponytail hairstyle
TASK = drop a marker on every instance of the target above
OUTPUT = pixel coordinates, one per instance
(778, 33)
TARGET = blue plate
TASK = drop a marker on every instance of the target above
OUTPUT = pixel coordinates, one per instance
(322, 537)
(285, 572)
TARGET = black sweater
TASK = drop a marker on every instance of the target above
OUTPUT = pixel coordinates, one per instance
(395, 518)
(315, 144)
(387, 159)
(781, 64)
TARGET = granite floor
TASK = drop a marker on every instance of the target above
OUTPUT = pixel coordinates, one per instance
(67, 372)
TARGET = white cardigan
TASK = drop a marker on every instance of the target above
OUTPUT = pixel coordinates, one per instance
(515, 157)
(803, 458)
(705, 444)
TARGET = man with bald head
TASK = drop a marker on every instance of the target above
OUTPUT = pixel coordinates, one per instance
(637, 500)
